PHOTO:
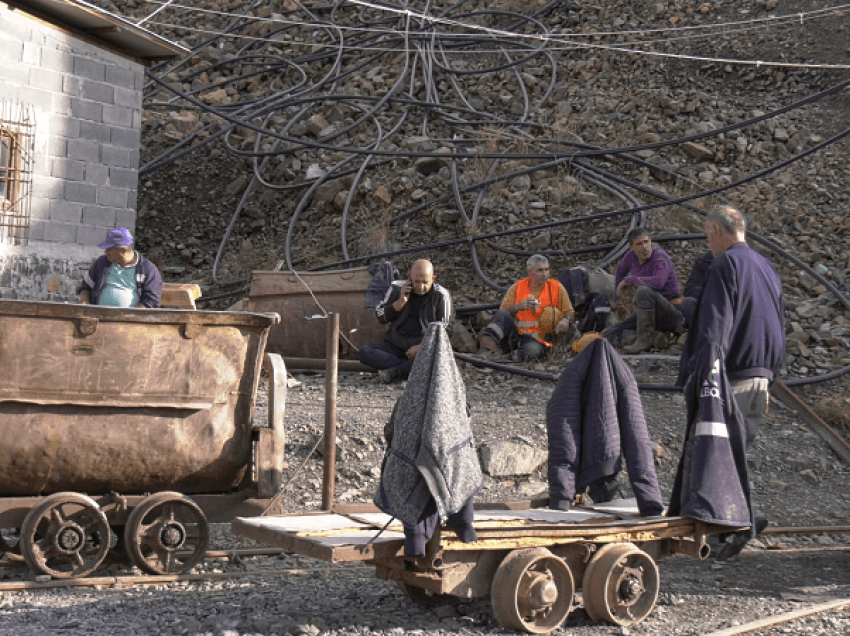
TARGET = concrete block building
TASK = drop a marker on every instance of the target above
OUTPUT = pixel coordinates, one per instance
(71, 79)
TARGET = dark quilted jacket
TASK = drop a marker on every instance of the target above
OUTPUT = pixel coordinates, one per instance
(594, 418)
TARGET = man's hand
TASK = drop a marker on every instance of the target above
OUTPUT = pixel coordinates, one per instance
(405, 296)
(85, 297)
(621, 288)
(563, 325)
(411, 353)
(529, 302)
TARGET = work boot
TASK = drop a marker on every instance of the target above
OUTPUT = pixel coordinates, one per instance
(388, 375)
(489, 343)
(733, 545)
(645, 331)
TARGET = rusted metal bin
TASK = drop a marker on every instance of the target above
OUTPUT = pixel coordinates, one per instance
(99, 407)
(302, 297)
(96, 399)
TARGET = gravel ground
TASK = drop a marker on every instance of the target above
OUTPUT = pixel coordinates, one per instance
(797, 479)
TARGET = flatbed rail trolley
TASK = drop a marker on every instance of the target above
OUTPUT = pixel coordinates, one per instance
(529, 560)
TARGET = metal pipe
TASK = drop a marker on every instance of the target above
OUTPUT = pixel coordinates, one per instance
(329, 457)
(316, 364)
(697, 549)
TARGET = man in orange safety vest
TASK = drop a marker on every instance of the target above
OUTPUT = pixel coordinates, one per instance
(532, 310)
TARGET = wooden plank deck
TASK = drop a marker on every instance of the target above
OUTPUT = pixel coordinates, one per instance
(357, 536)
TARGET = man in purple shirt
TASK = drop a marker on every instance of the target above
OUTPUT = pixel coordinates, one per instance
(650, 271)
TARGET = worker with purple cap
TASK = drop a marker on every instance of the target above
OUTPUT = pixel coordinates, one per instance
(122, 277)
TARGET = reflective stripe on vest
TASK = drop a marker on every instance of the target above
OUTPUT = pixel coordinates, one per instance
(528, 320)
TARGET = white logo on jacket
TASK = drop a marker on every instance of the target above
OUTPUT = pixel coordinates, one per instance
(711, 383)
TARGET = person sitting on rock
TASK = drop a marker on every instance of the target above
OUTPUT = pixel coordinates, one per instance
(121, 277)
(408, 308)
(650, 272)
(531, 311)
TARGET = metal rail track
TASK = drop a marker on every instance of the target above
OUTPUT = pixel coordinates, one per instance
(129, 581)
(786, 617)
(211, 555)
(793, 401)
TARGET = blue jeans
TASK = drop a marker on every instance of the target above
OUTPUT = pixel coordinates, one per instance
(502, 329)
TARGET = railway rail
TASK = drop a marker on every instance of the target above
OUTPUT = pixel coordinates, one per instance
(130, 580)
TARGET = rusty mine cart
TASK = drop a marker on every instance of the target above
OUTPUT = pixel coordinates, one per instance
(529, 560)
(131, 427)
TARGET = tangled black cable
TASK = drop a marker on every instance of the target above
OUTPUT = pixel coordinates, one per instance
(311, 60)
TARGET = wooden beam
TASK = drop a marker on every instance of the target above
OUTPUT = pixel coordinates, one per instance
(782, 618)
(179, 295)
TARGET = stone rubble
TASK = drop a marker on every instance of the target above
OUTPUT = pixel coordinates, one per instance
(598, 98)
(797, 482)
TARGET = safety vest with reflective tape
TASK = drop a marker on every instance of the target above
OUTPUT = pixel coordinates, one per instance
(528, 320)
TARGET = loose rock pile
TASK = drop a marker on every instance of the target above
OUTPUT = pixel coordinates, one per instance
(497, 137)
(317, 137)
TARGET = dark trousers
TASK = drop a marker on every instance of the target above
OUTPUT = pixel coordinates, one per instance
(416, 537)
(667, 315)
(502, 329)
(385, 355)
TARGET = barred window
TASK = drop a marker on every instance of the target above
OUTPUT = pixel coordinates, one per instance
(17, 141)
(6, 167)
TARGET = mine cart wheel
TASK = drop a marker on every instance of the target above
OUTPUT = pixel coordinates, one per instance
(620, 585)
(532, 591)
(10, 544)
(65, 536)
(590, 572)
(166, 534)
(420, 595)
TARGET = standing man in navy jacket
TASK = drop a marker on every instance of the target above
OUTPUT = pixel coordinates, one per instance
(741, 315)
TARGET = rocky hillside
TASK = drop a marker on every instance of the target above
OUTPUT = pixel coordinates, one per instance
(317, 135)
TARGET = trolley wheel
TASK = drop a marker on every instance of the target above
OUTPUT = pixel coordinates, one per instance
(620, 585)
(420, 595)
(167, 533)
(532, 591)
(591, 572)
(65, 536)
(10, 544)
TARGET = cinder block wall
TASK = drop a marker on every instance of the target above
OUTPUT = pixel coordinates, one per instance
(86, 103)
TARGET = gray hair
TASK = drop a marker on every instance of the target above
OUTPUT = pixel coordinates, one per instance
(638, 232)
(536, 259)
(730, 221)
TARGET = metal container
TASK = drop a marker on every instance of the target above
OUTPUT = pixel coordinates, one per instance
(303, 298)
(100, 399)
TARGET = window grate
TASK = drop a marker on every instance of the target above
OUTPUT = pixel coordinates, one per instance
(17, 147)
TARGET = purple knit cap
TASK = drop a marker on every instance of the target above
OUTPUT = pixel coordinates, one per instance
(116, 237)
